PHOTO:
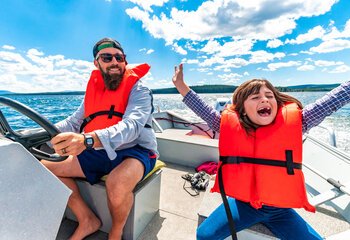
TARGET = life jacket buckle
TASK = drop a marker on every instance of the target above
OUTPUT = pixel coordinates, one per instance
(111, 111)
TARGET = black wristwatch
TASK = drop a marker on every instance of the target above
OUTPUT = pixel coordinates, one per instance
(88, 141)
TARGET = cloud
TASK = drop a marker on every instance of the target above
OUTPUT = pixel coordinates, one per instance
(203, 70)
(179, 49)
(36, 72)
(275, 66)
(263, 56)
(260, 19)
(232, 63)
(8, 47)
(191, 61)
(236, 47)
(149, 51)
(228, 49)
(333, 41)
(230, 78)
(211, 61)
(163, 83)
(315, 33)
(211, 47)
(324, 63)
(306, 67)
(147, 4)
(332, 45)
(335, 33)
(148, 78)
(227, 33)
(340, 69)
(274, 43)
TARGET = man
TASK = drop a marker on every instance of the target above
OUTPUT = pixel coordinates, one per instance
(115, 117)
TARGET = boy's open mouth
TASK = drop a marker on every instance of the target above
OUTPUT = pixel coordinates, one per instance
(265, 111)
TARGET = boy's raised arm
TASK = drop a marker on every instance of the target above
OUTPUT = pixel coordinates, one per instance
(178, 81)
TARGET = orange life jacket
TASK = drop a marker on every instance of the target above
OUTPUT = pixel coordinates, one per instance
(104, 108)
(265, 165)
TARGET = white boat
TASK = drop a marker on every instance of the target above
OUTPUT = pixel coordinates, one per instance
(162, 209)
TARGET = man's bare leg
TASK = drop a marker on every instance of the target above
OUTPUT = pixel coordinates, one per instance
(120, 185)
(65, 170)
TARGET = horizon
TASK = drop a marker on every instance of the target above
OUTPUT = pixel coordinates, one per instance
(5, 92)
(290, 43)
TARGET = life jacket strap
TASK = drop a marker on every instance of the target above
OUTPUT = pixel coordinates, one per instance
(89, 118)
(231, 223)
(110, 114)
(287, 163)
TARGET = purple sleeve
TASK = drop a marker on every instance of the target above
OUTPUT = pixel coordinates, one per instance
(203, 110)
(314, 113)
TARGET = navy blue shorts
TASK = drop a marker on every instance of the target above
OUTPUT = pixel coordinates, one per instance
(95, 163)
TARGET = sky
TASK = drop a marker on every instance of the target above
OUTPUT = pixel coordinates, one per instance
(46, 46)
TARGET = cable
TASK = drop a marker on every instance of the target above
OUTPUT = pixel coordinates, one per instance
(186, 124)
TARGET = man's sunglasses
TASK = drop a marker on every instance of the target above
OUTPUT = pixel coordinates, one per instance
(108, 57)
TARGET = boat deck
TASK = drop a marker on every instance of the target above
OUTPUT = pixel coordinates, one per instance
(177, 217)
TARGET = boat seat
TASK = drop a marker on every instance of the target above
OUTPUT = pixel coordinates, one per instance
(177, 146)
(146, 202)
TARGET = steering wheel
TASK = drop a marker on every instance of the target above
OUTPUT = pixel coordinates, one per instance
(30, 140)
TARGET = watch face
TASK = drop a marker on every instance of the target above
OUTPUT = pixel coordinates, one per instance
(89, 141)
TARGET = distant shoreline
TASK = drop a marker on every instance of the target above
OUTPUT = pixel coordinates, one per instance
(200, 89)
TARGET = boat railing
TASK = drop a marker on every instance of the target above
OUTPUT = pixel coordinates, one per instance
(331, 135)
(156, 126)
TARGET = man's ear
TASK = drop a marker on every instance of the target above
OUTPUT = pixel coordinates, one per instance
(96, 63)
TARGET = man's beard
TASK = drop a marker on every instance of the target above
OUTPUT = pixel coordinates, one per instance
(112, 81)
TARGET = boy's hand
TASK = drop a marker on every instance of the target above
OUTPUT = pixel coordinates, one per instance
(179, 82)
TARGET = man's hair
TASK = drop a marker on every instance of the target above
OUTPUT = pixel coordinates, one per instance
(104, 43)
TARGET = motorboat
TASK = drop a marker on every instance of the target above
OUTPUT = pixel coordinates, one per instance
(33, 201)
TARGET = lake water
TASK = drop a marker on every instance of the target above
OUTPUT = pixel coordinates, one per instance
(57, 107)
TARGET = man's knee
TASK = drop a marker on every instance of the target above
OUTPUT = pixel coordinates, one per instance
(117, 193)
(117, 186)
(127, 174)
(122, 180)
(67, 168)
(114, 184)
(51, 167)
